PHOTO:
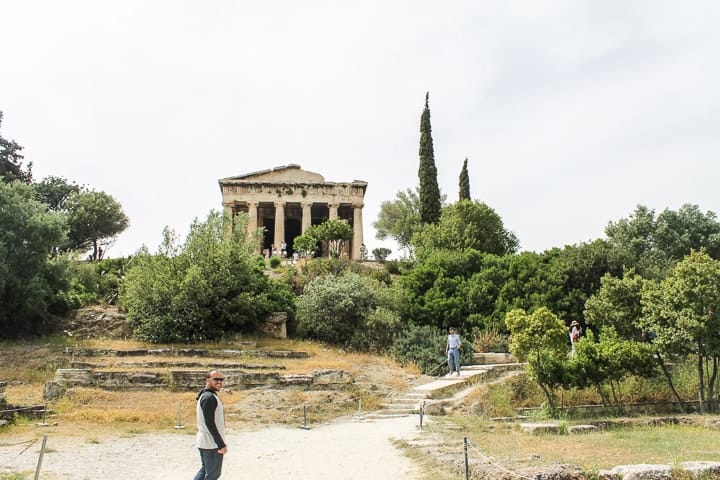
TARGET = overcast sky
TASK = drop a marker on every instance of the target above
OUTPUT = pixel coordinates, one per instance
(571, 113)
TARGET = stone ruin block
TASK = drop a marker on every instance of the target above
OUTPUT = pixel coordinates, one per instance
(235, 379)
(275, 325)
(277, 353)
(53, 390)
(192, 352)
(139, 352)
(75, 377)
(580, 429)
(296, 381)
(246, 380)
(540, 428)
(130, 380)
(331, 378)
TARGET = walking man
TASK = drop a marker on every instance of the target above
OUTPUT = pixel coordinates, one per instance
(210, 438)
(452, 350)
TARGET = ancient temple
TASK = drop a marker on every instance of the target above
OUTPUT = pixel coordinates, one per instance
(285, 201)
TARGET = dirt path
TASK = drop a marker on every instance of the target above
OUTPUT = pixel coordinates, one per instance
(345, 449)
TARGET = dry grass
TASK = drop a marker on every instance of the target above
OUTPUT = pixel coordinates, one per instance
(507, 446)
(27, 366)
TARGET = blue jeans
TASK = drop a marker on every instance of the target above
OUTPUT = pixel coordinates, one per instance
(453, 358)
(211, 465)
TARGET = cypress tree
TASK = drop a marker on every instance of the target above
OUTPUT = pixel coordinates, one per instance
(464, 182)
(427, 173)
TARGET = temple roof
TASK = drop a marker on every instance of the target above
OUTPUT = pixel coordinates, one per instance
(291, 173)
(285, 174)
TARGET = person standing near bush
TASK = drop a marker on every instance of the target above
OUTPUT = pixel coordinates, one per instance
(575, 332)
(210, 438)
(452, 350)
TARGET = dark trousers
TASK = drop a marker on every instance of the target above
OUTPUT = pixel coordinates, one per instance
(211, 465)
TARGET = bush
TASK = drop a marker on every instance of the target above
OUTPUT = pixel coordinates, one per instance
(381, 327)
(275, 262)
(490, 340)
(392, 267)
(423, 346)
(333, 307)
(381, 254)
(211, 286)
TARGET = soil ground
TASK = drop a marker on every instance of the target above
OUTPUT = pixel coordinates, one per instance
(94, 439)
(344, 449)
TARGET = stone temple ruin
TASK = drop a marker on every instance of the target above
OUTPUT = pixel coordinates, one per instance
(285, 201)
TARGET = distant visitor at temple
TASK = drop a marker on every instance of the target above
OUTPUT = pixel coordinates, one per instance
(285, 201)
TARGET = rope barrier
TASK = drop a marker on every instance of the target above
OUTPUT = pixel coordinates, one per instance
(29, 442)
(483, 457)
(18, 443)
(444, 362)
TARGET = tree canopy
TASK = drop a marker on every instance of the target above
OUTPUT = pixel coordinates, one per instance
(11, 167)
(656, 243)
(464, 192)
(399, 219)
(467, 225)
(427, 172)
(334, 232)
(29, 278)
(95, 219)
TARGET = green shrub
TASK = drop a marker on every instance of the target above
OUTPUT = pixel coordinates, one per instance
(275, 262)
(381, 254)
(333, 307)
(210, 286)
(423, 346)
(378, 334)
(489, 340)
(392, 267)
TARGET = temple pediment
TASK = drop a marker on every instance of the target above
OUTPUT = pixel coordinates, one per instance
(285, 174)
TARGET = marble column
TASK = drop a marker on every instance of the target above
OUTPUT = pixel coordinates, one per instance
(252, 218)
(306, 216)
(228, 213)
(279, 225)
(357, 240)
(333, 211)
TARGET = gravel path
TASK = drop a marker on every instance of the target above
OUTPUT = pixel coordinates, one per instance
(345, 449)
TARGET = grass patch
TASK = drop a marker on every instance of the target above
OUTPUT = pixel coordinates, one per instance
(15, 476)
(668, 444)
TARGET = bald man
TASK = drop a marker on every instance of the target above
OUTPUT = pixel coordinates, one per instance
(210, 438)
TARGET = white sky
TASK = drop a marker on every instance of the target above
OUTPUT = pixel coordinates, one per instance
(571, 112)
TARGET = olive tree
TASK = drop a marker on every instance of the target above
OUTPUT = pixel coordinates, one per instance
(682, 312)
(540, 339)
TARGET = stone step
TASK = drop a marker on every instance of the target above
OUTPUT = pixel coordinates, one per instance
(383, 414)
(400, 405)
(414, 395)
(493, 358)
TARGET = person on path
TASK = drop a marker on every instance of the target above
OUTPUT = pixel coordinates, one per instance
(210, 438)
(452, 350)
